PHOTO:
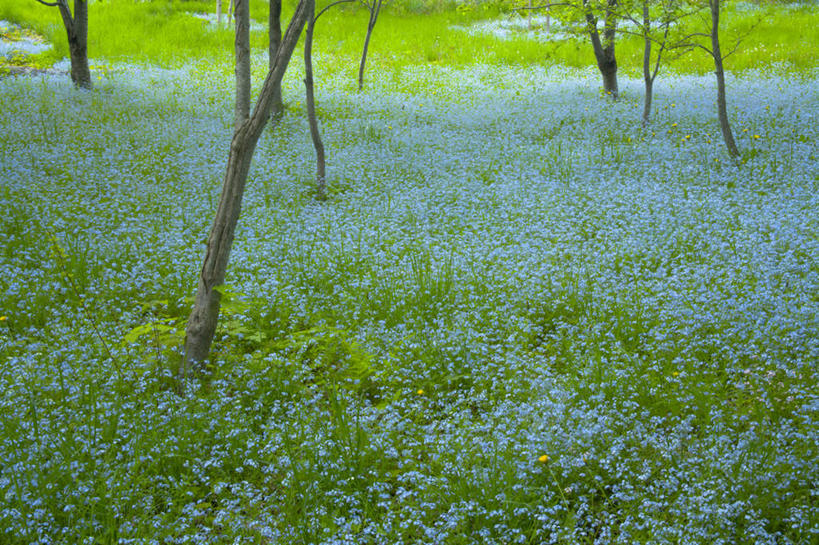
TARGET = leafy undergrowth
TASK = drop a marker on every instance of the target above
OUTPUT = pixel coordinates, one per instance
(521, 318)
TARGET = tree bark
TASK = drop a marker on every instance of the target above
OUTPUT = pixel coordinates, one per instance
(649, 97)
(76, 28)
(275, 29)
(604, 49)
(242, 69)
(321, 180)
(219, 12)
(375, 7)
(722, 106)
(647, 76)
(204, 316)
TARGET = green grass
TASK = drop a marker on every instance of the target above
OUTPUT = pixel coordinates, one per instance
(164, 33)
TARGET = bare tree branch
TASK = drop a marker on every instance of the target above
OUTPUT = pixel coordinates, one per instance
(741, 39)
(337, 2)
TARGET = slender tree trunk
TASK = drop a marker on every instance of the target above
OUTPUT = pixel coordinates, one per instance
(647, 76)
(219, 12)
(604, 49)
(722, 106)
(242, 69)
(204, 316)
(321, 180)
(374, 9)
(76, 28)
(647, 101)
(275, 29)
(230, 12)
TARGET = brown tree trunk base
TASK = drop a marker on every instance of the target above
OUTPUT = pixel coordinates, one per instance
(80, 72)
(609, 73)
(647, 102)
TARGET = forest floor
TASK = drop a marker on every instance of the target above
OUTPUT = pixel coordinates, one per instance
(18, 45)
(520, 317)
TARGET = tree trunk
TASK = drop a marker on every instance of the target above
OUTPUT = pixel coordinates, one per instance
(204, 316)
(722, 107)
(647, 76)
(374, 9)
(604, 49)
(76, 28)
(242, 69)
(230, 11)
(219, 12)
(647, 101)
(321, 180)
(275, 29)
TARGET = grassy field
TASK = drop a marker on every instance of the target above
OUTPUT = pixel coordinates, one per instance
(163, 33)
(520, 317)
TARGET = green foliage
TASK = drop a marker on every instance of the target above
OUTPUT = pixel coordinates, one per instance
(334, 359)
(166, 33)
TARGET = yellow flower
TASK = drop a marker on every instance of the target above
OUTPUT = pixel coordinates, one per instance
(675, 374)
(757, 137)
(673, 124)
(3, 318)
(543, 459)
(420, 392)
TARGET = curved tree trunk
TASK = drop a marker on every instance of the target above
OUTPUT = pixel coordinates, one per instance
(204, 316)
(722, 106)
(275, 28)
(374, 9)
(321, 179)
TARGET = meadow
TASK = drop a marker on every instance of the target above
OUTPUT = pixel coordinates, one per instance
(520, 317)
